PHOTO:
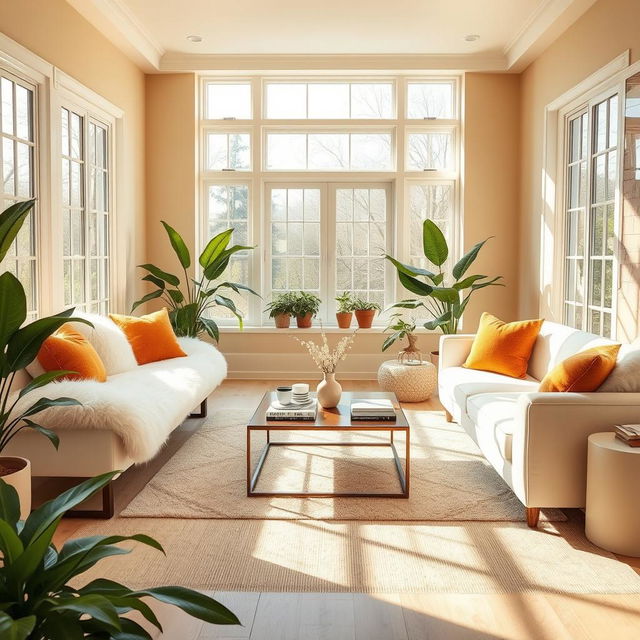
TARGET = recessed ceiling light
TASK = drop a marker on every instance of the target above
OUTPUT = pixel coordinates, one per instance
(472, 37)
(194, 38)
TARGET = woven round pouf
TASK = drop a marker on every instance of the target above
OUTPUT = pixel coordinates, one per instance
(410, 382)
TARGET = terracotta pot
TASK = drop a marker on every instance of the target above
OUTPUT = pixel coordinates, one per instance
(329, 391)
(435, 357)
(282, 320)
(17, 473)
(344, 319)
(365, 317)
(304, 322)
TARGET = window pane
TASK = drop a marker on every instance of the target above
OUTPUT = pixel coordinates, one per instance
(430, 100)
(328, 101)
(228, 151)
(228, 100)
(6, 93)
(371, 151)
(286, 151)
(286, 101)
(24, 127)
(328, 151)
(228, 207)
(430, 151)
(372, 100)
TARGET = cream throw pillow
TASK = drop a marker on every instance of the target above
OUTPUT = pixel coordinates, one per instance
(625, 376)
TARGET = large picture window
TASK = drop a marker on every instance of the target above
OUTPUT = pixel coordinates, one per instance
(591, 182)
(326, 176)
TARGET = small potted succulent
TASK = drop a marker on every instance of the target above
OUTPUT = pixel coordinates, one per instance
(304, 307)
(365, 312)
(281, 309)
(344, 313)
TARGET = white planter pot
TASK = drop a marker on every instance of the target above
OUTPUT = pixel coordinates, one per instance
(20, 479)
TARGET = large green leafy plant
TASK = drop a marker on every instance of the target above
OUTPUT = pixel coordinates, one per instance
(38, 603)
(445, 297)
(189, 300)
(20, 343)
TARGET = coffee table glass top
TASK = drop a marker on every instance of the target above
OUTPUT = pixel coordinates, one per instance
(339, 417)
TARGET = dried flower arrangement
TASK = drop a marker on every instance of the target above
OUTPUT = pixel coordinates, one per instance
(327, 359)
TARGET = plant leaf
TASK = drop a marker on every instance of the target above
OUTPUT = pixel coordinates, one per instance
(13, 307)
(438, 322)
(43, 516)
(47, 403)
(194, 603)
(176, 295)
(211, 328)
(94, 605)
(42, 380)
(10, 544)
(9, 504)
(150, 296)
(414, 285)
(467, 282)
(162, 275)
(47, 433)
(390, 340)
(214, 248)
(157, 281)
(488, 283)
(434, 243)
(178, 245)
(467, 260)
(446, 294)
(19, 629)
(408, 269)
(11, 221)
(216, 269)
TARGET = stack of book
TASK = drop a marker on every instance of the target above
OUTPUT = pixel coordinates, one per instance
(628, 433)
(373, 409)
(295, 412)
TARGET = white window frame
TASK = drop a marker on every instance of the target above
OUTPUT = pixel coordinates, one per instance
(398, 177)
(605, 82)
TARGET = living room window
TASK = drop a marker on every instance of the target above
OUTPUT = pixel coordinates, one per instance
(326, 176)
(85, 210)
(17, 159)
(591, 187)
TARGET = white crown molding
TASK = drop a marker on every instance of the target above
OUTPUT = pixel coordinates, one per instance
(543, 26)
(117, 23)
(172, 62)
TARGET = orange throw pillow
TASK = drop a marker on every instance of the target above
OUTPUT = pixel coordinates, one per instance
(503, 347)
(584, 371)
(68, 350)
(151, 337)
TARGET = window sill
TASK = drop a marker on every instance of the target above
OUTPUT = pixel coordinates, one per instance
(314, 329)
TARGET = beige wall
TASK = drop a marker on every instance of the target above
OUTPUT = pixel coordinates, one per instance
(602, 33)
(56, 32)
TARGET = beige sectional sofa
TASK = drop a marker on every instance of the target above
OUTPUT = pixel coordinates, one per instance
(537, 442)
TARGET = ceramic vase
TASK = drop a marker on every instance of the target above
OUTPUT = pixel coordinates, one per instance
(329, 391)
(17, 473)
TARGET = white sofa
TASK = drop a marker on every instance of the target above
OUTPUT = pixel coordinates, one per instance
(537, 442)
(123, 421)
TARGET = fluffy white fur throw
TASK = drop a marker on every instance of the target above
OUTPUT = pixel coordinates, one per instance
(143, 405)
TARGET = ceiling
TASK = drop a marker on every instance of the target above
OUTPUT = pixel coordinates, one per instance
(330, 34)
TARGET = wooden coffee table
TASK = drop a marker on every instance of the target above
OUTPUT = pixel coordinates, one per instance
(338, 419)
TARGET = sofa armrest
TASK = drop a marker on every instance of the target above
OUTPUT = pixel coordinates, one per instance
(549, 447)
(454, 349)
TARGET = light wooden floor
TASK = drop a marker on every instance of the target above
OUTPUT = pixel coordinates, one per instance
(429, 616)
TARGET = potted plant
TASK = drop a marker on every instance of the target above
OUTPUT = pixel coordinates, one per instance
(344, 313)
(19, 346)
(444, 297)
(304, 307)
(403, 329)
(191, 300)
(38, 600)
(365, 312)
(281, 308)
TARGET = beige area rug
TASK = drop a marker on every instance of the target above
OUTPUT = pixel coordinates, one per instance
(450, 479)
(316, 556)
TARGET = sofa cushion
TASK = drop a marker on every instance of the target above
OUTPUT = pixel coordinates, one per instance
(557, 342)
(493, 415)
(625, 376)
(457, 384)
(141, 406)
(503, 347)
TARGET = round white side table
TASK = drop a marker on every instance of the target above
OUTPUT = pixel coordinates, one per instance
(613, 482)
(410, 382)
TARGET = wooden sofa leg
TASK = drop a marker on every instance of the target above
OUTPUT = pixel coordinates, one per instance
(533, 515)
(107, 511)
(448, 416)
(203, 410)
